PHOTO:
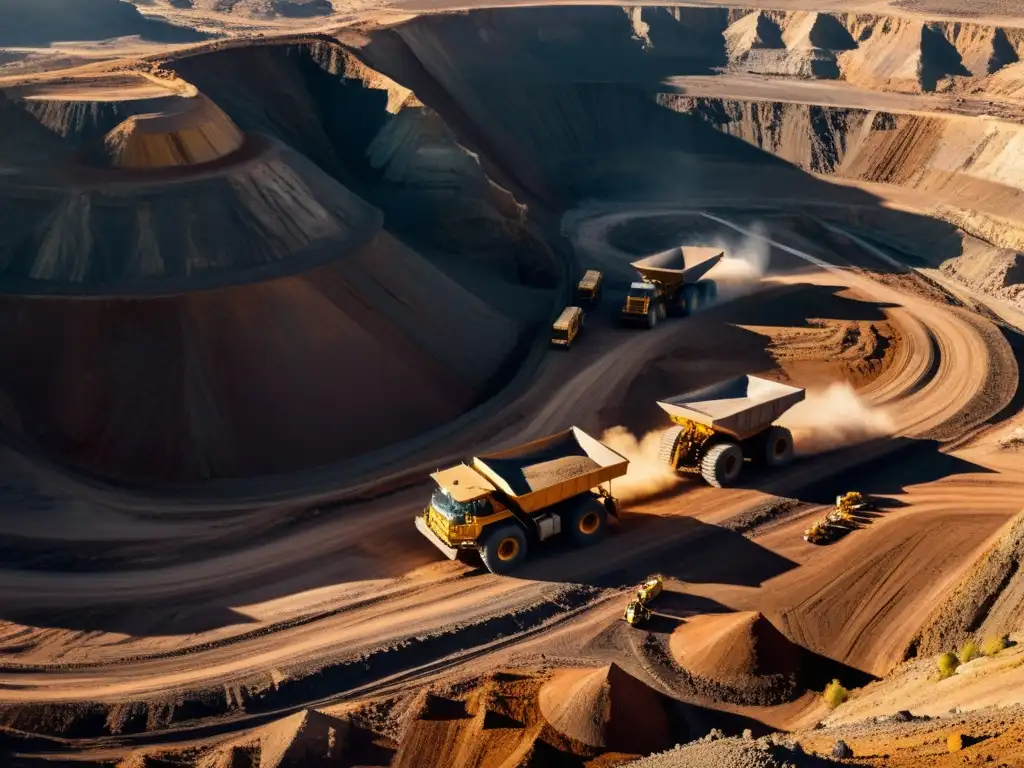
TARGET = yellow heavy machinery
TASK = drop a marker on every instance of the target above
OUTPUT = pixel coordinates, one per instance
(670, 284)
(719, 426)
(504, 504)
(567, 327)
(588, 289)
(637, 611)
(839, 520)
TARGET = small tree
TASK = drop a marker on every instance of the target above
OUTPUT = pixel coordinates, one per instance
(995, 644)
(835, 694)
(969, 652)
(947, 663)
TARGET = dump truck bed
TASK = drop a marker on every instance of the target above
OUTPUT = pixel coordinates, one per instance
(589, 280)
(552, 469)
(687, 263)
(741, 406)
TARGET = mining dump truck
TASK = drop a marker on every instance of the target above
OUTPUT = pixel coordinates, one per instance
(567, 327)
(504, 504)
(717, 427)
(670, 284)
(588, 289)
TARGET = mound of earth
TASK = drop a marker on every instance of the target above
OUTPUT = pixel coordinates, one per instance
(732, 753)
(733, 648)
(264, 212)
(254, 379)
(41, 22)
(193, 131)
(307, 739)
(605, 708)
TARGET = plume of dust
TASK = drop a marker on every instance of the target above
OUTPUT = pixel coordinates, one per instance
(646, 475)
(832, 418)
(745, 261)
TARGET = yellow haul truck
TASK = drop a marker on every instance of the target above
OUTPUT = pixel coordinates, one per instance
(567, 327)
(588, 289)
(503, 504)
(718, 426)
(670, 284)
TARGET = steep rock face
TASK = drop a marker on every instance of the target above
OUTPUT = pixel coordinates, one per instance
(373, 133)
(40, 22)
(986, 602)
(247, 313)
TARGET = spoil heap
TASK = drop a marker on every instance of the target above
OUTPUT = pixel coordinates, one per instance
(192, 131)
(605, 708)
(733, 648)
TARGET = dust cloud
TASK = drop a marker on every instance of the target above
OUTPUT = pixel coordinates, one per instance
(832, 418)
(646, 476)
(746, 261)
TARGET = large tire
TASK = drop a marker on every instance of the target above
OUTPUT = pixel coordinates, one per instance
(652, 317)
(504, 549)
(689, 301)
(662, 312)
(667, 448)
(722, 464)
(777, 447)
(587, 522)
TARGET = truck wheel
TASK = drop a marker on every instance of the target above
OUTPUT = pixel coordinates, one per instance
(722, 464)
(588, 522)
(778, 447)
(667, 449)
(689, 301)
(505, 549)
(662, 312)
(652, 317)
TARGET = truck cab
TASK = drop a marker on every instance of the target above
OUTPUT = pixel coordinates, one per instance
(504, 503)
(641, 303)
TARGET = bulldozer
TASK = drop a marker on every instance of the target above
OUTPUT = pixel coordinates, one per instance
(839, 520)
(637, 611)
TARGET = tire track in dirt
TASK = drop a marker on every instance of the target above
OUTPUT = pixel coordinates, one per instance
(926, 384)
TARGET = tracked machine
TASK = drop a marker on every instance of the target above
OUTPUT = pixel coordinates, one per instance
(839, 521)
(504, 504)
(670, 284)
(718, 427)
(637, 611)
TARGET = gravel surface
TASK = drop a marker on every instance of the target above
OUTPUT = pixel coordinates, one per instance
(732, 753)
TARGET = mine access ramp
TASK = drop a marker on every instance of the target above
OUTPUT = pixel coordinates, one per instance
(720, 425)
(671, 283)
(503, 504)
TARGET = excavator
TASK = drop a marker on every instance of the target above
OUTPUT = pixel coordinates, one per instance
(637, 611)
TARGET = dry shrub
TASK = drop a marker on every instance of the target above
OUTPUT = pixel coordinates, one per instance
(969, 652)
(947, 663)
(995, 644)
(835, 694)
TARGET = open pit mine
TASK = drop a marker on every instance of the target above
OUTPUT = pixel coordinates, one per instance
(399, 384)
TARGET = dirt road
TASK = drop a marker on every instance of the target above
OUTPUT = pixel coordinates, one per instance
(282, 606)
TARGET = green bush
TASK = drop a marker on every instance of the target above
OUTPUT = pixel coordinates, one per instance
(995, 644)
(835, 694)
(947, 663)
(969, 652)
